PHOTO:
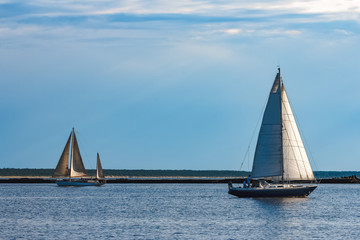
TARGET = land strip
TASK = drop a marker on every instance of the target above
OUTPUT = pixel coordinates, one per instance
(174, 180)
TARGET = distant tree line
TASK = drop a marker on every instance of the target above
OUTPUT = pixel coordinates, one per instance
(129, 173)
(162, 173)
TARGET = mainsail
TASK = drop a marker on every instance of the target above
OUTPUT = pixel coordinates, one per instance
(280, 152)
(99, 170)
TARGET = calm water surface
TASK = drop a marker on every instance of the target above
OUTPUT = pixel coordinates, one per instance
(174, 211)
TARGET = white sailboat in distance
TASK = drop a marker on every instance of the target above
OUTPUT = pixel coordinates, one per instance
(76, 175)
(280, 155)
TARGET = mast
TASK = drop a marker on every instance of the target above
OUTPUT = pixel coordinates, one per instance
(282, 128)
(268, 159)
(72, 153)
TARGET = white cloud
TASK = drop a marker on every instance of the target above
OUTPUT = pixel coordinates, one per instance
(321, 10)
(196, 20)
(292, 32)
(229, 8)
(232, 31)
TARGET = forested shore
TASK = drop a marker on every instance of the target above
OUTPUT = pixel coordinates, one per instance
(31, 172)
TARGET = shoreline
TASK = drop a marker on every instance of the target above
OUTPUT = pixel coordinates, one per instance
(174, 180)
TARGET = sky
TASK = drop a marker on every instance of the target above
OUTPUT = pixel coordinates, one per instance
(175, 84)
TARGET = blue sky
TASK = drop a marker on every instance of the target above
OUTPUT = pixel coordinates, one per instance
(175, 85)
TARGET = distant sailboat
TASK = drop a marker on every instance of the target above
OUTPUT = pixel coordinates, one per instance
(280, 153)
(77, 175)
(99, 170)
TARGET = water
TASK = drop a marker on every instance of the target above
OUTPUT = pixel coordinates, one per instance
(174, 211)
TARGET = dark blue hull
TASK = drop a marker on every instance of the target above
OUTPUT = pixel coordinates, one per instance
(294, 191)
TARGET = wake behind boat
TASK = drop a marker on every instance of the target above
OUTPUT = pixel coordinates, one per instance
(280, 155)
(77, 175)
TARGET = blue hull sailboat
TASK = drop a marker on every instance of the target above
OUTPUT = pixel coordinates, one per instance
(273, 190)
(280, 155)
(76, 175)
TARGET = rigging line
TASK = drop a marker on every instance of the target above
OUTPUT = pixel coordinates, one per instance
(248, 160)
(308, 147)
(247, 153)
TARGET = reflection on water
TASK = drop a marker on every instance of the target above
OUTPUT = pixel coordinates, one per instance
(174, 211)
(281, 201)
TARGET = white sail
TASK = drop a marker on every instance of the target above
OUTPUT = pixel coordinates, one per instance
(268, 154)
(77, 168)
(62, 168)
(99, 170)
(296, 161)
(280, 152)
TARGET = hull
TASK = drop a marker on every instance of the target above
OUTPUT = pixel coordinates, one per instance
(79, 183)
(292, 191)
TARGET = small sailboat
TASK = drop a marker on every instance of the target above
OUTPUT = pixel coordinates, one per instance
(280, 155)
(76, 175)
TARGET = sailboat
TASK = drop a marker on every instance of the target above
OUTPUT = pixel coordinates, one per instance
(280, 155)
(76, 175)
